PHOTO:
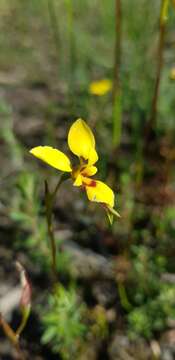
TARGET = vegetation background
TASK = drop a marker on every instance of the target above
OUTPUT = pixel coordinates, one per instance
(116, 298)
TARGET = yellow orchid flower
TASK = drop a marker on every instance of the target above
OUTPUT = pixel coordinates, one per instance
(100, 87)
(81, 142)
(172, 74)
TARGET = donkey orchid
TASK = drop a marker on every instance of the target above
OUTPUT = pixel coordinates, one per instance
(100, 87)
(81, 142)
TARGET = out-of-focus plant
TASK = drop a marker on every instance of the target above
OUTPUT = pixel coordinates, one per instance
(7, 134)
(127, 204)
(152, 298)
(165, 222)
(69, 326)
(64, 328)
(26, 211)
(99, 327)
(162, 26)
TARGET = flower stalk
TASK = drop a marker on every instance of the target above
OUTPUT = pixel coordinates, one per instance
(117, 95)
(117, 54)
(54, 26)
(160, 62)
(49, 203)
(49, 207)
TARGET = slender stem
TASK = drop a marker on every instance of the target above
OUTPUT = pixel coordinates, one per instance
(8, 331)
(49, 203)
(49, 206)
(20, 355)
(162, 27)
(117, 54)
(123, 296)
(116, 94)
(72, 50)
(54, 25)
(13, 337)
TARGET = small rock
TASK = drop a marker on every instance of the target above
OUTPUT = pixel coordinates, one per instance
(105, 292)
(168, 345)
(167, 355)
(121, 348)
(86, 264)
(9, 301)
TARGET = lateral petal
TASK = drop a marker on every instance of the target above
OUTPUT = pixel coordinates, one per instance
(52, 157)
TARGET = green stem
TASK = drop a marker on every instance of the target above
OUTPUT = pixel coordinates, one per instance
(117, 94)
(117, 54)
(54, 26)
(72, 49)
(123, 296)
(49, 203)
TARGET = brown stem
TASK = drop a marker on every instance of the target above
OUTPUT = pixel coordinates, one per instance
(19, 353)
(12, 336)
(162, 27)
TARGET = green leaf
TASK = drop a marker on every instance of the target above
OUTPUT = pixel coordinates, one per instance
(110, 217)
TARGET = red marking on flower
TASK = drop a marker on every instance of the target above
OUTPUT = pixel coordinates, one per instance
(89, 182)
(84, 173)
(92, 183)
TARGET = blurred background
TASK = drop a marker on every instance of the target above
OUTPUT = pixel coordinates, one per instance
(116, 298)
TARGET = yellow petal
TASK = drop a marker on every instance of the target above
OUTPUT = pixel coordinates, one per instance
(81, 141)
(52, 157)
(89, 171)
(100, 87)
(99, 192)
(172, 74)
(78, 180)
(93, 157)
